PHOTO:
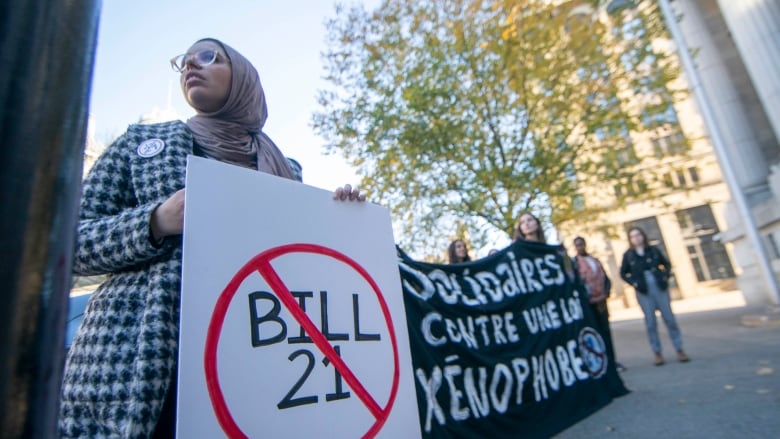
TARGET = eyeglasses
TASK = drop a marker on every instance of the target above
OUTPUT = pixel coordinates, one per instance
(202, 58)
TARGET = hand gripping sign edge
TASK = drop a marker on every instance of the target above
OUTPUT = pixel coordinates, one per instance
(262, 263)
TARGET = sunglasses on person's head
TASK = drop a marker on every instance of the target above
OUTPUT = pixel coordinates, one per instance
(201, 58)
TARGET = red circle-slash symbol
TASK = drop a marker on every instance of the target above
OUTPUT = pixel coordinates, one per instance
(262, 264)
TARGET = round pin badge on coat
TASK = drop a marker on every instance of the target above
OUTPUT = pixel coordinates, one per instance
(150, 148)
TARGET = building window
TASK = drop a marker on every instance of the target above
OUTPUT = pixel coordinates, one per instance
(578, 203)
(659, 117)
(621, 157)
(620, 149)
(681, 178)
(626, 156)
(650, 226)
(693, 173)
(667, 145)
(772, 238)
(709, 257)
(631, 187)
(640, 187)
(668, 182)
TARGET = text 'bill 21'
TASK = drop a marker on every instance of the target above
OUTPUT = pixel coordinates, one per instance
(270, 328)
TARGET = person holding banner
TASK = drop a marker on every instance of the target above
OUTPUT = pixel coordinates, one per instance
(120, 372)
(458, 252)
(522, 360)
(646, 269)
(598, 285)
(529, 228)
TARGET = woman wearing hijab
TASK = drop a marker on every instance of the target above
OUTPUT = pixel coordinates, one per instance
(119, 376)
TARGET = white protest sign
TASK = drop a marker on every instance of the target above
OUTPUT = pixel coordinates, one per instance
(292, 317)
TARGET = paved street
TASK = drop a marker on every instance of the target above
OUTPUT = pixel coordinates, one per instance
(730, 389)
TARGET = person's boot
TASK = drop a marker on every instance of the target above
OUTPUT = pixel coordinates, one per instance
(659, 359)
(682, 357)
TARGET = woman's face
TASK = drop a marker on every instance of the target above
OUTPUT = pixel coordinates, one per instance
(528, 226)
(206, 88)
(579, 245)
(636, 238)
(460, 249)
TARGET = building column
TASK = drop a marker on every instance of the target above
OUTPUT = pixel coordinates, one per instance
(706, 34)
(685, 277)
(755, 28)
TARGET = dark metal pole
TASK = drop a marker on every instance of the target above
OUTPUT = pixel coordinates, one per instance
(46, 52)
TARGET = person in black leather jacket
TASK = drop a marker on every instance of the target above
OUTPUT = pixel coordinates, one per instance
(647, 269)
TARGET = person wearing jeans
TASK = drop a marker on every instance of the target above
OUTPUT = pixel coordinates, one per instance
(647, 269)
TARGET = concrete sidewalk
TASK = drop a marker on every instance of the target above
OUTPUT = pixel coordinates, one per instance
(731, 299)
(730, 389)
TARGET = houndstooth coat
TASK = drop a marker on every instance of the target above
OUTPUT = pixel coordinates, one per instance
(121, 362)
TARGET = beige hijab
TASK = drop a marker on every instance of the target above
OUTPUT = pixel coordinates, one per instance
(234, 134)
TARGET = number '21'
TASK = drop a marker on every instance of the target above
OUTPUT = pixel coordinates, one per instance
(290, 400)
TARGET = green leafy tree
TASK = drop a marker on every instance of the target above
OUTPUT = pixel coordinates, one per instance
(470, 112)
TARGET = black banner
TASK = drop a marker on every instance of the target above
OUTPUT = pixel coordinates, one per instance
(505, 346)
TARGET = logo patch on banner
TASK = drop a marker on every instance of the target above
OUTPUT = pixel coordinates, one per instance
(593, 351)
(150, 148)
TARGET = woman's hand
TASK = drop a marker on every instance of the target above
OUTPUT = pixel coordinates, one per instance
(168, 218)
(347, 193)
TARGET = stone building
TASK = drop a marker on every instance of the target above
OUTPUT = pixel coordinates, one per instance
(690, 215)
(737, 46)
(683, 213)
